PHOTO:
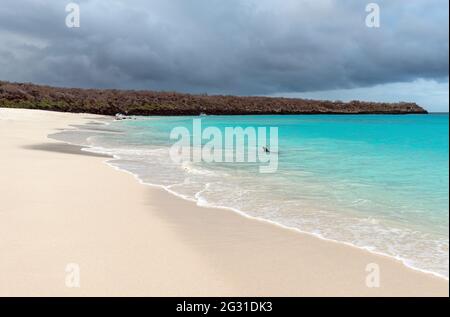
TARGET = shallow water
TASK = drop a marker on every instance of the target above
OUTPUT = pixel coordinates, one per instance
(376, 181)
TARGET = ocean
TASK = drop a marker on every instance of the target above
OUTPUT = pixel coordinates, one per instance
(378, 182)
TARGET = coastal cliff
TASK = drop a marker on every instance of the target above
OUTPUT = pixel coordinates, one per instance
(130, 102)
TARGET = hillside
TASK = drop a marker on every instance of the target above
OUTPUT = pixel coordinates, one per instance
(111, 101)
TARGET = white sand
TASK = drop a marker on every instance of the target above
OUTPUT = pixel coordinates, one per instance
(131, 240)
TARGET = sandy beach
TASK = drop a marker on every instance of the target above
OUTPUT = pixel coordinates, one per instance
(60, 205)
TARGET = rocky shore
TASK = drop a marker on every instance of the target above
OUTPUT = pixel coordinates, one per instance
(130, 102)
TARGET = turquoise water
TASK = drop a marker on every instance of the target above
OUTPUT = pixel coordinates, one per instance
(377, 182)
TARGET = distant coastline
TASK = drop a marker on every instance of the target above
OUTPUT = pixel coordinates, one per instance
(131, 102)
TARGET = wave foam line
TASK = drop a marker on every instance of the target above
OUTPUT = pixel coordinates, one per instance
(203, 203)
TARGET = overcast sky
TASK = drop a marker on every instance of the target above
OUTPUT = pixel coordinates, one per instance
(306, 48)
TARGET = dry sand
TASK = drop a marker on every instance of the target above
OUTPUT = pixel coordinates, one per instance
(60, 206)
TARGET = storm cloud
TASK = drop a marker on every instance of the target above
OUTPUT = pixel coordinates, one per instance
(243, 47)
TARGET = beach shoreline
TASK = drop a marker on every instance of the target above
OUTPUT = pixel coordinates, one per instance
(223, 253)
(270, 222)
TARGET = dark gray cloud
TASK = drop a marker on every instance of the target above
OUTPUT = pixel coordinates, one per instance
(217, 46)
